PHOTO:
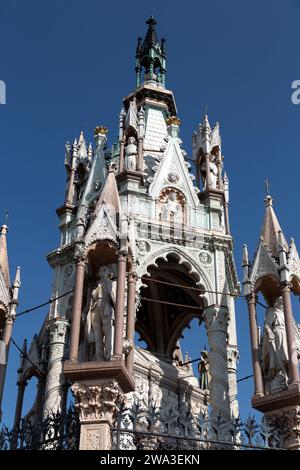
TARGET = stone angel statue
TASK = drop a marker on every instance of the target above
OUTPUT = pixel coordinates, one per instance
(99, 325)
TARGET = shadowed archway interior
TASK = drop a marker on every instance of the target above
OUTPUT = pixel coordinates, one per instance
(167, 307)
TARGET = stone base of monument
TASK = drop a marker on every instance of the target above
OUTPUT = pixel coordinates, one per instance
(98, 388)
(282, 409)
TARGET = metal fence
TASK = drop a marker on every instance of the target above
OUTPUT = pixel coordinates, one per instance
(58, 431)
(136, 430)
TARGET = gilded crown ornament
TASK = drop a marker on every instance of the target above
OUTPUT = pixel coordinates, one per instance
(100, 130)
(173, 121)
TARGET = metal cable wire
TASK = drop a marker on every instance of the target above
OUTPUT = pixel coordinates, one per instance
(25, 356)
(43, 305)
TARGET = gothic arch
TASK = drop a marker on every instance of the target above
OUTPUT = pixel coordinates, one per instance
(195, 271)
(268, 285)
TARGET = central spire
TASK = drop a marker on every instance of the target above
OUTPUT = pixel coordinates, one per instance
(150, 56)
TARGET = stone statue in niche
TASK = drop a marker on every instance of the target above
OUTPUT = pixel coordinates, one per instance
(99, 327)
(171, 208)
(131, 154)
(213, 173)
(274, 349)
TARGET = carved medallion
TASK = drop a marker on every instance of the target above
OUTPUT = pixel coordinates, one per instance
(205, 258)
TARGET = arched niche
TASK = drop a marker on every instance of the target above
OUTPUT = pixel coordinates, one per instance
(269, 286)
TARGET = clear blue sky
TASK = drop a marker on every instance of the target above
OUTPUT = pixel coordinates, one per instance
(69, 63)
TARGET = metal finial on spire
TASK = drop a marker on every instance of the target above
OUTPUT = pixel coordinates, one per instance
(267, 185)
(150, 56)
(205, 109)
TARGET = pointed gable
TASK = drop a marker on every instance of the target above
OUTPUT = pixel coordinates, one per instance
(172, 170)
(294, 261)
(107, 213)
(263, 264)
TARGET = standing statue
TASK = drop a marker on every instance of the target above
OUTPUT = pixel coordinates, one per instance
(274, 349)
(203, 368)
(213, 174)
(99, 325)
(130, 154)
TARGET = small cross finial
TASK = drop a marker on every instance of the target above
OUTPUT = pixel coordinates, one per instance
(205, 109)
(6, 217)
(267, 185)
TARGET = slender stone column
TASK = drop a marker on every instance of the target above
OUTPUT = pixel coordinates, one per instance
(226, 212)
(8, 330)
(130, 326)
(216, 322)
(18, 412)
(121, 157)
(140, 155)
(77, 310)
(120, 305)
(55, 388)
(207, 177)
(258, 381)
(290, 332)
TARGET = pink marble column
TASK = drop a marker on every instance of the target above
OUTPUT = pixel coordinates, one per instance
(219, 166)
(77, 310)
(130, 326)
(120, 305)
(290, 333)
(121, 157)
(258, 382)
(6, 338)
(18, 412)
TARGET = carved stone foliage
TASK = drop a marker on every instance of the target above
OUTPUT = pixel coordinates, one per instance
(97, 402)
(154, 408)
(287, 422)
(216, 317)
(58, 329)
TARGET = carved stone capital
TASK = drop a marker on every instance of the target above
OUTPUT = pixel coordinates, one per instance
(97, 401)
(80, 253)
(216, 317)
(58, 329)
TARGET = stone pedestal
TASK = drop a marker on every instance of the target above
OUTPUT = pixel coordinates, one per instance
(282, 410)
(98, 389)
